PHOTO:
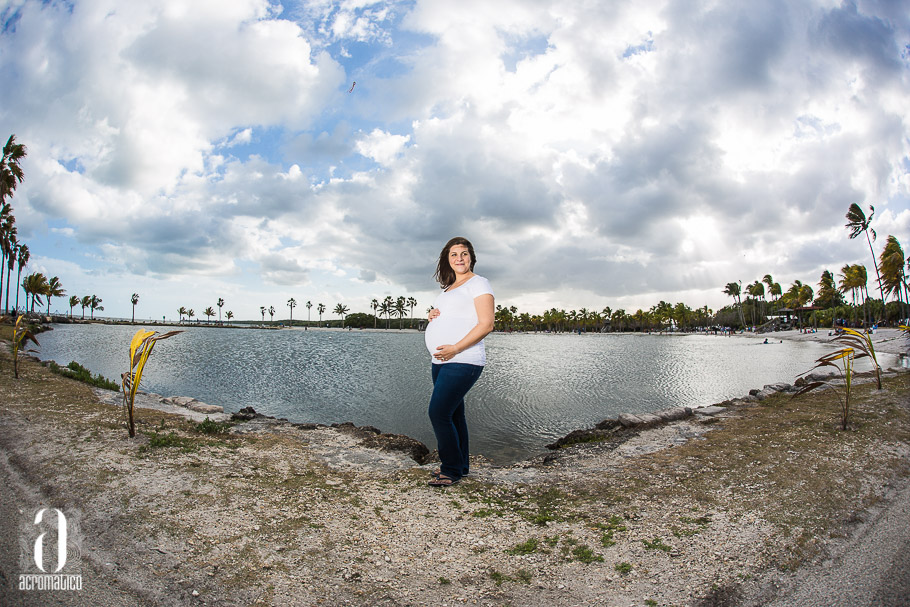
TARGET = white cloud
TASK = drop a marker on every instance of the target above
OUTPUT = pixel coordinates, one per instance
(382, 147)
(615, 152)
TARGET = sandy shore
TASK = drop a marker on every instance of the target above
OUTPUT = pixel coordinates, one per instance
(892, 341)
(727, 509)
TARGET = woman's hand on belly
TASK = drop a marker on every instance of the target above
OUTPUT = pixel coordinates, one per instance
(445, 352)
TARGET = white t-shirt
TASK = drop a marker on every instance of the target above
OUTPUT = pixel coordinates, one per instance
(457, 316)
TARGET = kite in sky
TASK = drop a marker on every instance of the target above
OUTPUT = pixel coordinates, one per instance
(351, 90)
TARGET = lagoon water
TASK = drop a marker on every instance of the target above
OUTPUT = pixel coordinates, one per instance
(535, 388)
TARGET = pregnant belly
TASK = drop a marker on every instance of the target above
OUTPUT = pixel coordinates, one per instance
(446, 331)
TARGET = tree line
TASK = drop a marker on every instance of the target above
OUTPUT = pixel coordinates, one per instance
(828, 305)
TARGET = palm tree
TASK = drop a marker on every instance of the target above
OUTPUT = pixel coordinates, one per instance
(262, 311)
(733, 289)
(582, 318)
(767, 280)
(387, 307)
(34, 285)
(95, 304)
(190, 314)
(850, 282)
(54, 289)
(7, 238)
(134, 298)
(320, 309)
(891, 261)
(74, 301)
(412, 303)
(341, 310)
(229, 315)
(22, 261)
(181, 312)
(85, 302)
(11, 173)
(209, 312)
(309, 304)
(375, 305)
(401, 305)
(864, 286)
(828, 295)
(272, 314)
(292, 303)
(755, 290)
(11, 246)
(798, 295)
(220, 305)
(775, 291)
(858, 224)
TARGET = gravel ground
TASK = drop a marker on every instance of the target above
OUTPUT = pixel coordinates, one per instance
(766, 501)
(871, 567)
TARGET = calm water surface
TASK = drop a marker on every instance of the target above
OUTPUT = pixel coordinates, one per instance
(535, 388)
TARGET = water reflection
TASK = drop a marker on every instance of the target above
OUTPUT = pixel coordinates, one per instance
(536, 387)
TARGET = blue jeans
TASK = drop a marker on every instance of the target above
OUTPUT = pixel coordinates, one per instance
(451, 382)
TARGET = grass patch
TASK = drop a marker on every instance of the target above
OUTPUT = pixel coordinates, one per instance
(499, 578)
(523, 576)
(76, 371)
(528, 547)
(657, 544)
(623, 568)
(538, 508)
(585, 555)
(614, 523)
(207, 426)
(169, 440)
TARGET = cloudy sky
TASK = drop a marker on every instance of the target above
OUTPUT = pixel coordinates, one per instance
(597, 153)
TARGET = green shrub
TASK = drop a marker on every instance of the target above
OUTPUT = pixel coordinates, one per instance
(76, 371)
(208, 426)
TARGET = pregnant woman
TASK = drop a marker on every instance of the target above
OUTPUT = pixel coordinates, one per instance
(461, 317)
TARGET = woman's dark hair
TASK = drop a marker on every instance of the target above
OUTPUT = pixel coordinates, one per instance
(444, 272)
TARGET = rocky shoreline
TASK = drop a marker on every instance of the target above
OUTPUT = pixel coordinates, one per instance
(613, 430)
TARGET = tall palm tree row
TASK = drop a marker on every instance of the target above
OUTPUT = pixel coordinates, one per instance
(11, 175)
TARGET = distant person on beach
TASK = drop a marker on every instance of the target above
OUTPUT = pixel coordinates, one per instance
(461, 317)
